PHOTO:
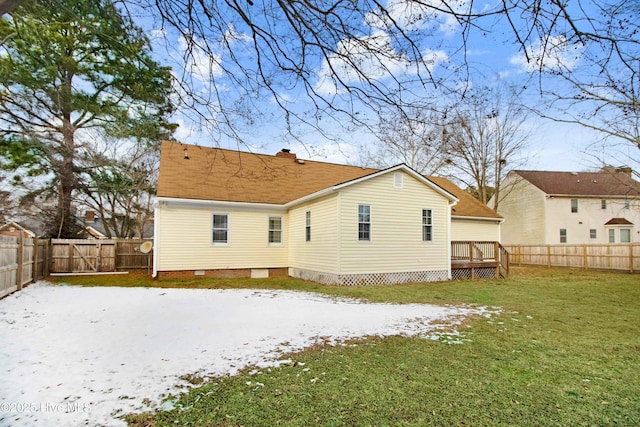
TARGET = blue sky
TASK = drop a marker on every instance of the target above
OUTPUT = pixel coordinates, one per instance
(492, 54)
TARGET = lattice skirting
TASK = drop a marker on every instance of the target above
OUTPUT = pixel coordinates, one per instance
(478, 273)
(370, 279)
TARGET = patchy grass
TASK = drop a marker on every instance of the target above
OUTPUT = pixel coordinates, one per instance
(564, 351)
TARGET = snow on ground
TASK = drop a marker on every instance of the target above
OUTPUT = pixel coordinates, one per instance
(82, 356)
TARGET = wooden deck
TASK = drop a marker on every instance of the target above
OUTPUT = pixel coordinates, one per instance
(475, 260)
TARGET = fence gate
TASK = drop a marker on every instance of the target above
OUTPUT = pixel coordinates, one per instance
(82, 256)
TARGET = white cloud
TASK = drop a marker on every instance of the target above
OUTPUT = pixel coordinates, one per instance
(411, 15)
(552, 54)
(201, 64)
(370, 57)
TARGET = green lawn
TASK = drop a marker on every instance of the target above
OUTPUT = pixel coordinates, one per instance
(565, 351)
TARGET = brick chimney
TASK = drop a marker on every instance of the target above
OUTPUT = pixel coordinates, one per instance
(625, 170)
(285, 152)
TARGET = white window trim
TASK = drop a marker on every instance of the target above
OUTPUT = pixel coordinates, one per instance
(398, 180)
(423, 225)
(566, 236)
(281, 243)
(370, 239)
(307, 226)
(228, 242)
(620, 234)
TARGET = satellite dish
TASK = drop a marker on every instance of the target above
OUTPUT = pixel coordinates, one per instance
(146, 247)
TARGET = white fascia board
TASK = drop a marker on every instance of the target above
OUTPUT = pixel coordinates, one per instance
(602, 196)
(477, 218)
(452, 199)
(217, 204)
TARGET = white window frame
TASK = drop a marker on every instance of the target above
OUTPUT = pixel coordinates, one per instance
(574, 205)
(307, 226)
(398, 180)
(563, 235)
(612, 235)
(364, 219)
(280, 230)
(593, 233)
(603, 204)
(628, 237)
(226, 229)
(427, 225)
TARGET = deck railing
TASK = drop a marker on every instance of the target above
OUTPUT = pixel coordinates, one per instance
(478, 259)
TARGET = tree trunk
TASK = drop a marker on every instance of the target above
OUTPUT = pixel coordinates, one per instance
(67, 227)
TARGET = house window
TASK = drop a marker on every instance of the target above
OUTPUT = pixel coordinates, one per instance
(563, 235)
(398, 180)
(627, 204)
(593, 234)
(427, 224)
(625, 235)
(275, 230)
(307, 228)
(574, 205)
(364, 223)
(603, 204)
(612, 235)
(220, 229)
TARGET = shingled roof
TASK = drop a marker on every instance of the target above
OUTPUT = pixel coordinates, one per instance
(600, 184)
(205, 173)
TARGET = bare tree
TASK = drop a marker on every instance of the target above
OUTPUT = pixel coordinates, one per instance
(592, 78)
(119, 182)
(485, 136)
(415, 140)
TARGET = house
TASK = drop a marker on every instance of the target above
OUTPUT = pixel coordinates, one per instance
(223, 213)
(14, 229)
(94, 226)
(542, 207)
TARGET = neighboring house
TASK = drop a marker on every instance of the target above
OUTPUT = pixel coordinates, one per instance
(229, 213)
(14, 229)
(94, 227)
(542, 207)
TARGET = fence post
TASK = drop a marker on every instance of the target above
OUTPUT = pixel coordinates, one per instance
(19, 260)
(585, 262)
(630, 257)
(548, 256)
(34, 267)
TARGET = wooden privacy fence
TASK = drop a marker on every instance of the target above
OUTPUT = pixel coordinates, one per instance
(22, 261)
(98, 256)
(622, 257)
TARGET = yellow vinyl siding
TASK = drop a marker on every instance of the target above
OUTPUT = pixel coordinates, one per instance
(476, 230)
(396, 227)
(184, 235)
(524, 212)
(322, 252)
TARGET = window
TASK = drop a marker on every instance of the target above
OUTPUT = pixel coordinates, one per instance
(307, 228)
(612, 235)
(275, 230)
(398, 180)
(603, 204)
(625, 235)
(574, 205)
(364, 223)
(220, 229)
(593, 234)
(427, 220)
(563, 235)
(627, 204)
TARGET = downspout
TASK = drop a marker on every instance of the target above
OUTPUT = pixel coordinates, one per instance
(156, 239)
